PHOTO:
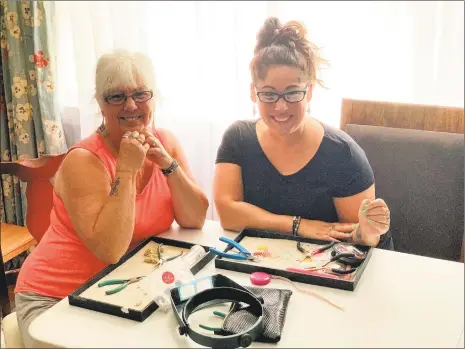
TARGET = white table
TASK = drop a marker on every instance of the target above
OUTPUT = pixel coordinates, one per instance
(401, 301)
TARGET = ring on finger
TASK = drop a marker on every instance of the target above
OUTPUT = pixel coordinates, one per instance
(135, 135)
(125, 136)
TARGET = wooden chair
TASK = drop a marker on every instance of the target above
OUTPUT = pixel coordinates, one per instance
(402, 115)
(17, 239)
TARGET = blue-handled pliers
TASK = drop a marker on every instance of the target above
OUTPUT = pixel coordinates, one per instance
(243, 254)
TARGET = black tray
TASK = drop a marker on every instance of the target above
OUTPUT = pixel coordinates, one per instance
(132, 314)
(231, 264)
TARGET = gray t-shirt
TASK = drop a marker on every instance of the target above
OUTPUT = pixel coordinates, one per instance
(339, 168)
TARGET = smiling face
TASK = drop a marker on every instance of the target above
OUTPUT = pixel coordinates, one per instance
(123, 113)
(124, 91)
(282, 117)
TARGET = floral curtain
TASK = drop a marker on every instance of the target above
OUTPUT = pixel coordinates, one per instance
(30, 121)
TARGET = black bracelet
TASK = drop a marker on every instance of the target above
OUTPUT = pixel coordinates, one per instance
(295, 224)
(174, 165)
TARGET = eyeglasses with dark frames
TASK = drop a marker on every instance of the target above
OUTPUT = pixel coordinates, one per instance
(121, 98)
(290, 97)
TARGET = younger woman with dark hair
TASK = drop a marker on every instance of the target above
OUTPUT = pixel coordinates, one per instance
(287, 172)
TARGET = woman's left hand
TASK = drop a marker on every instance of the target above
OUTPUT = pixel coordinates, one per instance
(374, 219)
(157, 152)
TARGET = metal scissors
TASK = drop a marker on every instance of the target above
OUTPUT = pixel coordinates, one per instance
(123, 282)
(162, 260)
(243, 254)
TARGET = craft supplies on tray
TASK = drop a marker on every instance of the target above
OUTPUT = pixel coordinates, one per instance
(331, 264)
(125, 298)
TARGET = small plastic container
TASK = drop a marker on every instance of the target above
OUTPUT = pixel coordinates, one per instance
(260, 278)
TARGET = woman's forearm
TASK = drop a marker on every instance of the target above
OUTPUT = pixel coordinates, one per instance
(189, 202)
(114, 227)
(238, 215)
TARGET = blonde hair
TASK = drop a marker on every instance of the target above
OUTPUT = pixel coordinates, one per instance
(122, 68)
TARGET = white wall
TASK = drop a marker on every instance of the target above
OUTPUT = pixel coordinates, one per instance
(403, 51)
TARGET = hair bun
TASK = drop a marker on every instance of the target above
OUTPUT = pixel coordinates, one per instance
(273, 32)
(285, 45)
(298, 28)
(268, 33)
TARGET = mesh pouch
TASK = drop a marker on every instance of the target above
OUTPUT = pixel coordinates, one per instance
(275, 307)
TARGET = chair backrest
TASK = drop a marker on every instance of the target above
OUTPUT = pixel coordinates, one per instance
(402, 115)
(39, 193)
(420, 175)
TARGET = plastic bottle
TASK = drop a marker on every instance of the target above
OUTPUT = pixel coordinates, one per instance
(169, 274)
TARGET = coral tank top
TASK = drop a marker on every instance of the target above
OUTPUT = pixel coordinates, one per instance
(61, 262)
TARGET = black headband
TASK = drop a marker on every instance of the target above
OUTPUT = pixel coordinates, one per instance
(221, 295)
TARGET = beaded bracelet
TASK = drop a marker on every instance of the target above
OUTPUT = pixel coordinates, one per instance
(295, 224)
(174, 165)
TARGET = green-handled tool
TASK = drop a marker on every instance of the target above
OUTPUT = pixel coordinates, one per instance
(123, 282)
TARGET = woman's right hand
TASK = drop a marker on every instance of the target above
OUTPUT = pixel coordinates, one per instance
(325, 231)
(132, 152)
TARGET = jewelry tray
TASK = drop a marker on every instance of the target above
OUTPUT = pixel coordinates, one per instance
(251, 239)
(91, 297)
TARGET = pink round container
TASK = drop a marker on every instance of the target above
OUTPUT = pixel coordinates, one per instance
(260, 278)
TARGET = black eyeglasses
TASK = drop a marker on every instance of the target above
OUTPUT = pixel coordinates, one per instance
(121, 98)
(290, 97)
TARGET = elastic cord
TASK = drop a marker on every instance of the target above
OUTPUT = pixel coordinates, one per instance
(308, 292)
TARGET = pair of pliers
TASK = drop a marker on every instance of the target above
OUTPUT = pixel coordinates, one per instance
(308, 254)
(336, 271)
(123, 282)
(323, 248)
(243, 254)
(162, 260)
(334, 259)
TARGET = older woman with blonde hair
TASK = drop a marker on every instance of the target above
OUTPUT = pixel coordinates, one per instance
(124, 183)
